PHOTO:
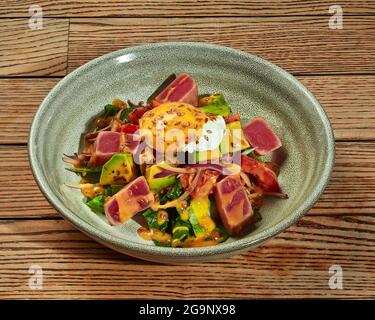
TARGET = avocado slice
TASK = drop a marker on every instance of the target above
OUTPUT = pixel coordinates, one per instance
(206, 156)
(120, 169)
(200, 217)
(156, 183)
(215, 104)
(234, 139)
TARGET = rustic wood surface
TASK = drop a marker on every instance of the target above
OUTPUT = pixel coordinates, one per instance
(337, 65)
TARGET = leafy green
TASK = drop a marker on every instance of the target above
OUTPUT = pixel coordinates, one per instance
(153, 222)
(112, 189)
(172, 193)
(162, 244)
(251, 153)
(96, 204)
(194, 223)
(85, 170)
(181, 229)
(92, 175)
(223, 233)
(110, 110)
(125, 113)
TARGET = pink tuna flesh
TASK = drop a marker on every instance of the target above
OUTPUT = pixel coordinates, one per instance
(261, 136)
(182, 89)
(111, 212)
(133, 198)
(229, 185)
(107, 144)
(140, 188)
(132, 141)
(233, 205)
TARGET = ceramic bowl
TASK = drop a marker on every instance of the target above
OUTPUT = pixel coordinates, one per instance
(252, 86)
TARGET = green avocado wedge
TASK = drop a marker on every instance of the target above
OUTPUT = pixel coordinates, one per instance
(215, 104)
(120, 169)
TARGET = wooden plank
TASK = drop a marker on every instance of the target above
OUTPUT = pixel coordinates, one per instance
(351, 190)
(292, 265)
(348, 101)
(301, 45)
(126, 8)
(20, 99)
(27, 52)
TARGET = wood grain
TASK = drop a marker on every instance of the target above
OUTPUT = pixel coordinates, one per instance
(351, 190)
(294, 264)
(20, 99)
(129, 8)
(338, 66)
(27, 52)
(348, 101)
(301, 45)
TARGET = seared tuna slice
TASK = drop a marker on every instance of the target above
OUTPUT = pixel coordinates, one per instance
(107, 144)
(182, 89)
(261, 136)
(133, 198)
(233, 205)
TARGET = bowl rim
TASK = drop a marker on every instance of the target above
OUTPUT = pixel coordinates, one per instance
(223, 248)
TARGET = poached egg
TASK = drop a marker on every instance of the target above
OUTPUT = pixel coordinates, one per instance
(182, 127)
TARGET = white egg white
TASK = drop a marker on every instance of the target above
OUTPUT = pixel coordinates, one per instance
(213, 132)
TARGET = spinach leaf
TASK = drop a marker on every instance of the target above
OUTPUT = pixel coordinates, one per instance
(163, 244)
(125, 113)
(181, 229)
(112, 189)
(223, 234)
(96, 204)
(156, 220)
(92, 175)
(194, 223)
(172, 193)
(110, 110)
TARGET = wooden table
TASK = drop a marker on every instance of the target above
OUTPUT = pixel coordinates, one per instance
(337, 65)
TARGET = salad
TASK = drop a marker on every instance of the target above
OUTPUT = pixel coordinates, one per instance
(183, 162)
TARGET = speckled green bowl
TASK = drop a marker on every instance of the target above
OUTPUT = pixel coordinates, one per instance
(252, 86)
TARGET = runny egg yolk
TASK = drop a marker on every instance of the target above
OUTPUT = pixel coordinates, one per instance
(182, 126)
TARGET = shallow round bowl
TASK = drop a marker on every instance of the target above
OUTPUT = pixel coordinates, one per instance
(252, 86)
